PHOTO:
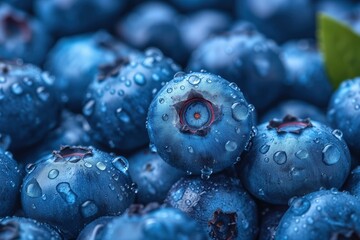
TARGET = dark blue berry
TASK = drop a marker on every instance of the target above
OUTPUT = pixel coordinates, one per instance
(76, 185)
(200, 123)
(270, 218)
(28, 103)
(22, 36)
(20, 228)
(295, 108)
(10, 178)
(353, 182)
(76, 60)
(77, 16)
(280, 20)
(25, 5)
(158, 224)
(246, 58)
(153, 176)
(326, 214)
(305, 72)
(344, 112)
(93, 230)
(195, 5)
(116, 103)
(293, 157)
(219, 204)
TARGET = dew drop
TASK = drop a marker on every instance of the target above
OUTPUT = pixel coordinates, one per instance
(190, 149)
(230, 146)
(299, 206)
(331, 154)
(53, 173)
(280, 157)
(240, 111)
(16, 89)
(42, 94)
(161, 100)
(206, 172)
(264, 148)
(194, 80)
(165, 117)
(66, 193)
(33, 189)
(89, 108)
(121, 164)
(88, 209)
(338, 134)
(139, 79)
(101, 166)
(122, 115)
(302, 154)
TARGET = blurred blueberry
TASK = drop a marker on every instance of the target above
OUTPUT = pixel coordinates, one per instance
(193, 5)
(22, 4)
(93, 230)
(270, 218)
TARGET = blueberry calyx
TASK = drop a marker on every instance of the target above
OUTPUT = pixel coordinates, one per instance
(9, 230)
(14, 26)
(223, 225)
(141, 209)
(112, 69)
(72, 154)
(199, 122)
(289, 124)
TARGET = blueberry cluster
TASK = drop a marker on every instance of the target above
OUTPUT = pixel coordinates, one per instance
(178, 119)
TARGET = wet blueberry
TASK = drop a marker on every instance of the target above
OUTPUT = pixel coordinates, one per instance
(93, 230)
(76, 185)
(200, 123)
(293, 157)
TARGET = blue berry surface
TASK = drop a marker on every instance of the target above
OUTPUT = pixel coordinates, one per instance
(293, 157)
(200, 123)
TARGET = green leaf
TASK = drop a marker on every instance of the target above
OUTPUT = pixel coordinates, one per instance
(340, 46)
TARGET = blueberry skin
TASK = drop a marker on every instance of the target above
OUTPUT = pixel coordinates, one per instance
(270, 218)
(200, 123)
(343, 113)
(293, 157)
(295, 108)
(76, 185)
(195, 5)
(152, 175)
(199, 26)
(160, 224)
(220, 205)
(31, 91)
(20, 228)
(148, 24)
(116, 104)
(353, 182)
(67, 17)
(328, 214)
(22, 36)
(246, 58)
(10, 179)
(75, 61)
(280, 20)
(73, 130)
(305, 72)
(93, 230)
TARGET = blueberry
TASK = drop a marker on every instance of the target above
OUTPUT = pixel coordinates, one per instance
(158, 224)
(343, 113)
(246, 58)
(93, 230)
(22, 36)
(200, 123)
(295, 108)
(26, 229)
(199, 26)
(293, 157)
(10, 179)
(77, 16)
(25, 5)
(195, 5)
(353, 182)
(220, 205)
(335, 8)
(328, 214)
(270, 218)
(280, 20)
(74, 186)
(75, 61)
(73, 130)
(152, 175)
(154, 24)
(306, 72)
(117, 101)
(30, 91)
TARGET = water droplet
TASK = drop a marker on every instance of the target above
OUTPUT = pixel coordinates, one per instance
(165, 117)
(66, 192)
(230, 146)
(299, 206)
(240, 111)
(139, 79)
(194, 80)
(206, 172)
(331, 154)
(121, 164)
(264, 148)
(169, 90)
(280, 157)
(27, 81)
(88, 165)
(30, 167)
(161, 100)
(182, 87)
(101, 166)
(122, 115)
(338, 134)
(53, 173)
(33, 189)
(89, 108)
(42, 94)
(261, 192)
(88, 209)
(179, 75)
(190, 149)
(152, 148)
(16, 89)
(233, 86)
(302, 154)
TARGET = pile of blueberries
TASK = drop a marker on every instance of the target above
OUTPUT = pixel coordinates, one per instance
(178, 119)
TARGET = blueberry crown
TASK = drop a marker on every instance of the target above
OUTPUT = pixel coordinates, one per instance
(72, 153)
(289, 124)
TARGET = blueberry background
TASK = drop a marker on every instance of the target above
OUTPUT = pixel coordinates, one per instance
(175, 119)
